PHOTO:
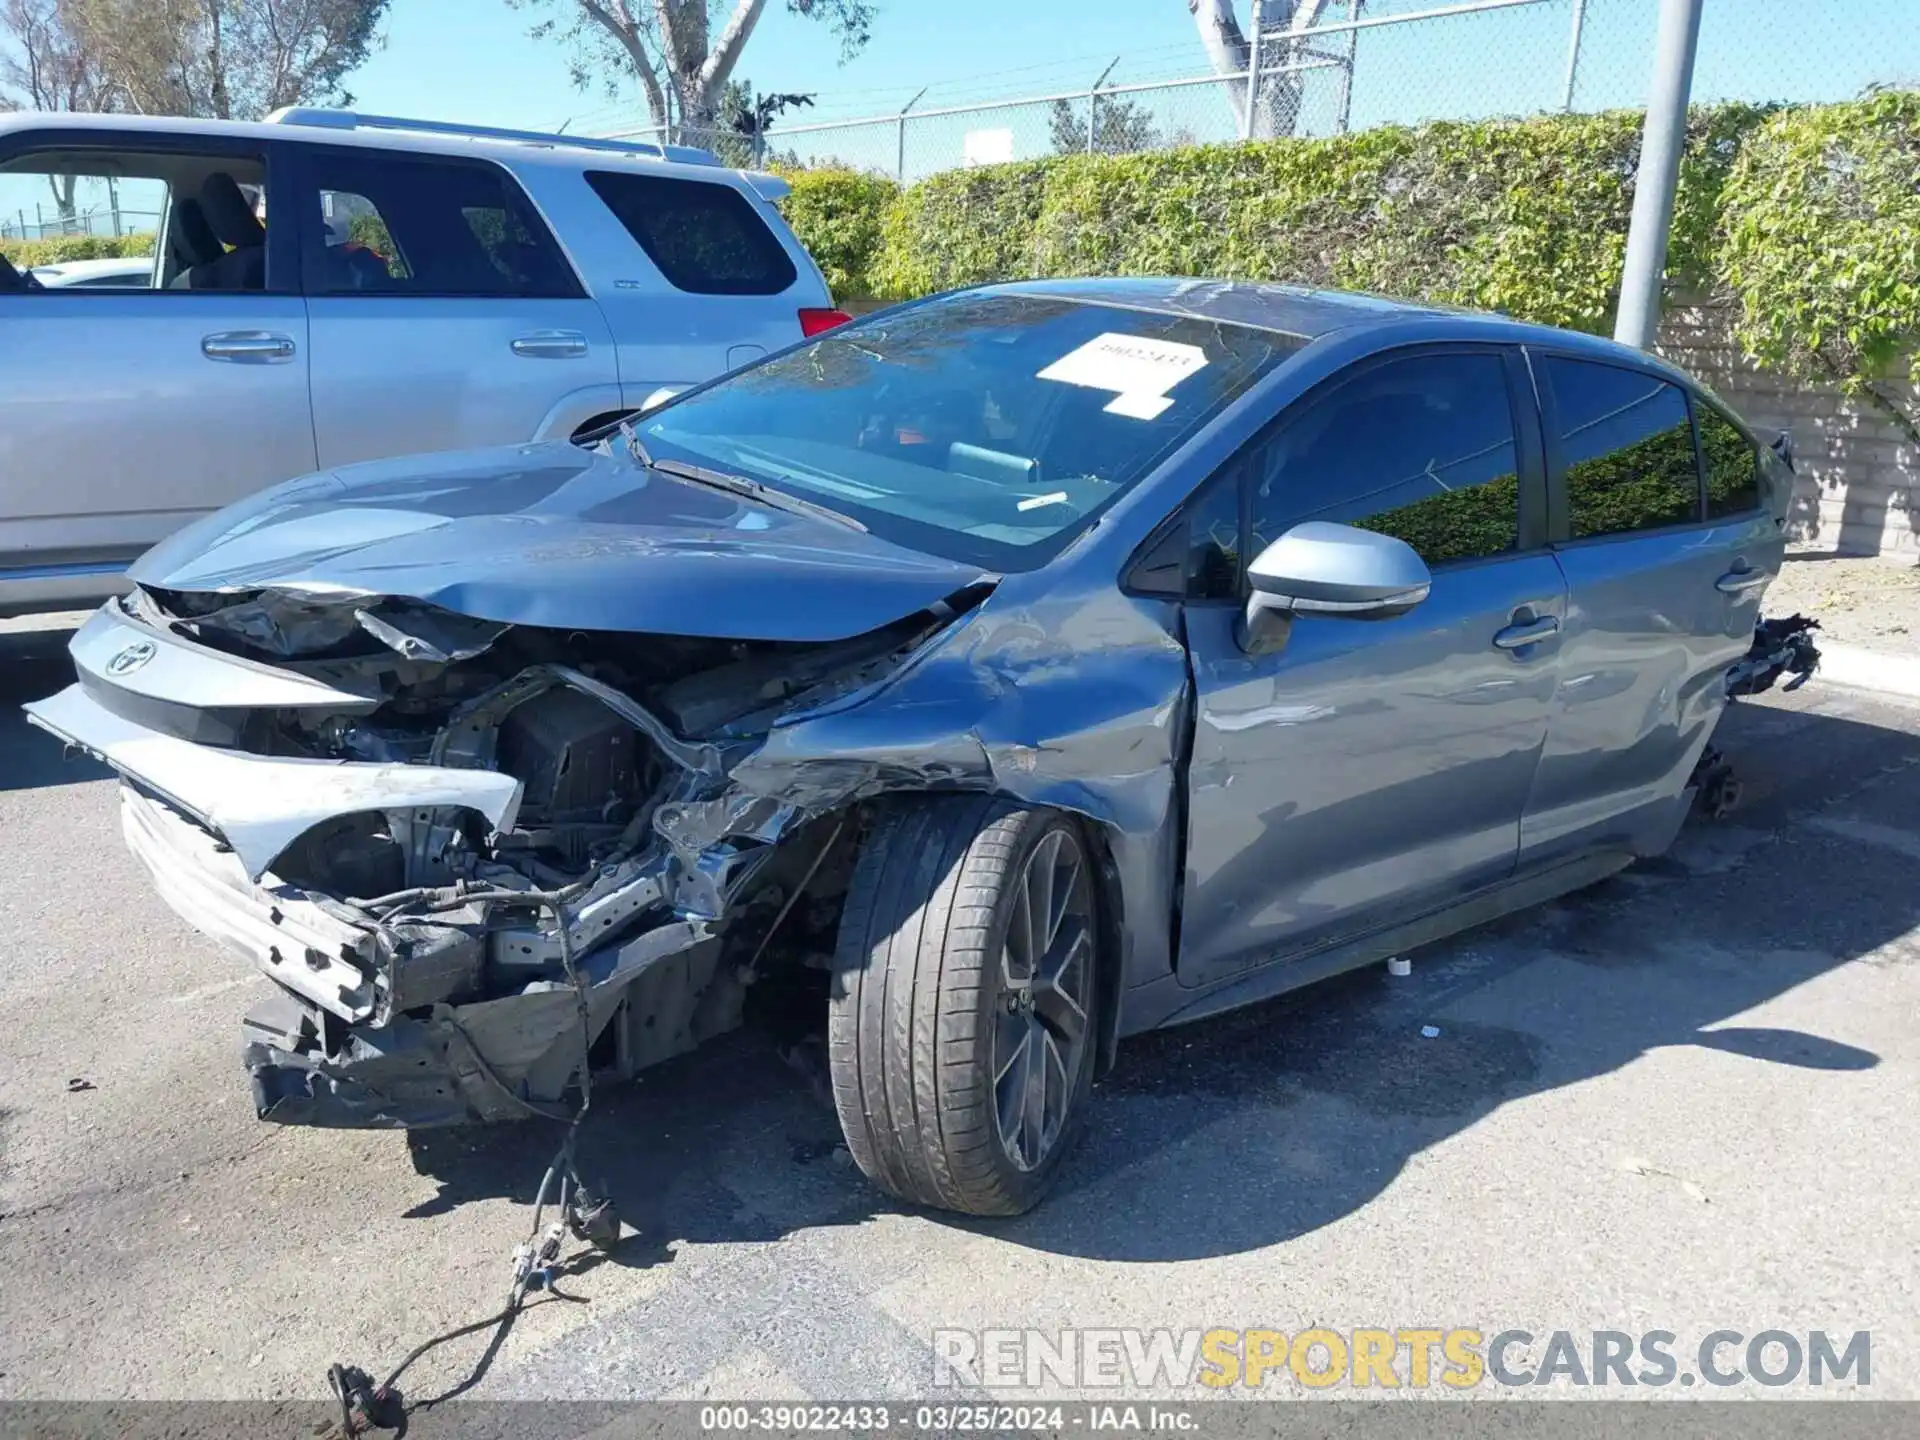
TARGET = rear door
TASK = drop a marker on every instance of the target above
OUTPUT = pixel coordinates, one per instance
(443, 314)
(128, 410)
(1664, 575)
(1368, 771)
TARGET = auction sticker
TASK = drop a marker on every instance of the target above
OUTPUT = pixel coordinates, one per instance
(1138, 370)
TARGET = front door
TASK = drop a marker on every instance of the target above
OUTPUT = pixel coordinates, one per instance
(444, 316)
(1369, 770)
(128, 410)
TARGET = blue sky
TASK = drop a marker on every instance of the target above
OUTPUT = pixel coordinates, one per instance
(471, 59)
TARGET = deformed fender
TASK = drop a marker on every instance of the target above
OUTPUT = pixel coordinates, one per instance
(1079, 703)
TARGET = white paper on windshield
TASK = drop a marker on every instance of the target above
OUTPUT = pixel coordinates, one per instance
(1035, 502)
(1138, 370)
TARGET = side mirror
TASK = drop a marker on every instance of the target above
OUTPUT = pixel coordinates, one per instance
(1783, 447)
(1334, 570)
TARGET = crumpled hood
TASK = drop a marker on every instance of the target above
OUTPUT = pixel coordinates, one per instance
(553, 535)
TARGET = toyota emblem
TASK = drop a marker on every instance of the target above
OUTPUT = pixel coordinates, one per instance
(131, 658)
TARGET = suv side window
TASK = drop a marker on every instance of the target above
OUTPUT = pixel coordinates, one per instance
(705, 238)
(1421, 448)
(1732, 464)
(394, 225)
(200, 219)
(1626, 444)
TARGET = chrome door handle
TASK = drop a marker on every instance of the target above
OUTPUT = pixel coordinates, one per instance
(1735, 581)
(1526, 633)
(551, 345)
(248, 347)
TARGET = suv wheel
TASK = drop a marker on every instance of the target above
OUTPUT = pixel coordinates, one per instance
(960, 1030)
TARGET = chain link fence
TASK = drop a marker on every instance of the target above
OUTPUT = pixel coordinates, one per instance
(43, 221)
(1375, 62)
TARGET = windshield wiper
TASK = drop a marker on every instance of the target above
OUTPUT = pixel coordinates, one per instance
(751, 490)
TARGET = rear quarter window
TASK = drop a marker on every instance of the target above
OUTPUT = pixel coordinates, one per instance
(1733, 465)
(1626, 444)
(705, 238)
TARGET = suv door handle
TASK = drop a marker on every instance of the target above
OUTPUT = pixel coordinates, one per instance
(1735, 581)
(551, 345)
(248, 347)
(1527, 632)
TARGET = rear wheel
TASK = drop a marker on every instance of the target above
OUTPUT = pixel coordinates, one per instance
(961, 1023)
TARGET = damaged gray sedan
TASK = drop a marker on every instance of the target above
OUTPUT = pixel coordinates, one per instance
(970, 687)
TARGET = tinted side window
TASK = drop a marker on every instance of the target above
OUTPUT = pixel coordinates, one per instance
(1627, 445)
(1421, 448)
(704, 238)
(1213, 543)
(399, 226)
(1733, 465)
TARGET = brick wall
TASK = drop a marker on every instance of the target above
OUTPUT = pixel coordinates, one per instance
(1859, 490)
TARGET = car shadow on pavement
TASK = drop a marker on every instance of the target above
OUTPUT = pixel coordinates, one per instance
(33, 665)
(1274, 1121)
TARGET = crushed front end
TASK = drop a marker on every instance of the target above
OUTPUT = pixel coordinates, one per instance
(454, 845)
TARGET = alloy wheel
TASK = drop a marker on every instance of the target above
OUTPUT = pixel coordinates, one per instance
(1041, 1021)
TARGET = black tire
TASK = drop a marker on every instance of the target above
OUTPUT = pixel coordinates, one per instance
(926, 994)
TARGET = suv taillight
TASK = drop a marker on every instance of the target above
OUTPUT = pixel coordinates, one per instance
(814, 322)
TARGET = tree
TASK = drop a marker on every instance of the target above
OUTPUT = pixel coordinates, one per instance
(232, 59)
(745, 121)
(44, 65)
(673, 50)
(1119, 126)
(1230, 52)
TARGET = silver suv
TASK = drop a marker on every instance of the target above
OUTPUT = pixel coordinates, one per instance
(329, 288)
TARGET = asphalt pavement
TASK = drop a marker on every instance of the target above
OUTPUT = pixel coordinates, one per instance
(1681, 1101)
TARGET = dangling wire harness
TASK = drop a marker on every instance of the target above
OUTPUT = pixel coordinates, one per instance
(537, 1262)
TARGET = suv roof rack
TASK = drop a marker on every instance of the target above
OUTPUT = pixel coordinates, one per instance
(326, 119)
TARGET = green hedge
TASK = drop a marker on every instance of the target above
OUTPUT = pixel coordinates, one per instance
(1527, 216)
(1821, 239)
(24, 254)
(1809, 217)
(961, 227)
(838, 214)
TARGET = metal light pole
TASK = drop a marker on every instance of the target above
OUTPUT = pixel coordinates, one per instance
(1660, 146)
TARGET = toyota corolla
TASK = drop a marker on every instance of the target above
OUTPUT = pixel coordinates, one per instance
(969, 687)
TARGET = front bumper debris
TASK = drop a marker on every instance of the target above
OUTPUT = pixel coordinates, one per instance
(348, 1038)
(500, 1059)
(260, 804)
(315, 1054)
(1780, 647)
(279, 930)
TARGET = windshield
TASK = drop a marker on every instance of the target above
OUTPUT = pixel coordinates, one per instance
(984, 428)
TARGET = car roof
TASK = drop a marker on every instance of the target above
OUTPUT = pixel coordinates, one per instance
(1310, 314)
(520, 151)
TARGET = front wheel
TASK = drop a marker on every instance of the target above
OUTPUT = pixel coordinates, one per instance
(961, 1025)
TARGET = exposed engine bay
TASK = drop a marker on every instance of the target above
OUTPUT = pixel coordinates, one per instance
(430, 961)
